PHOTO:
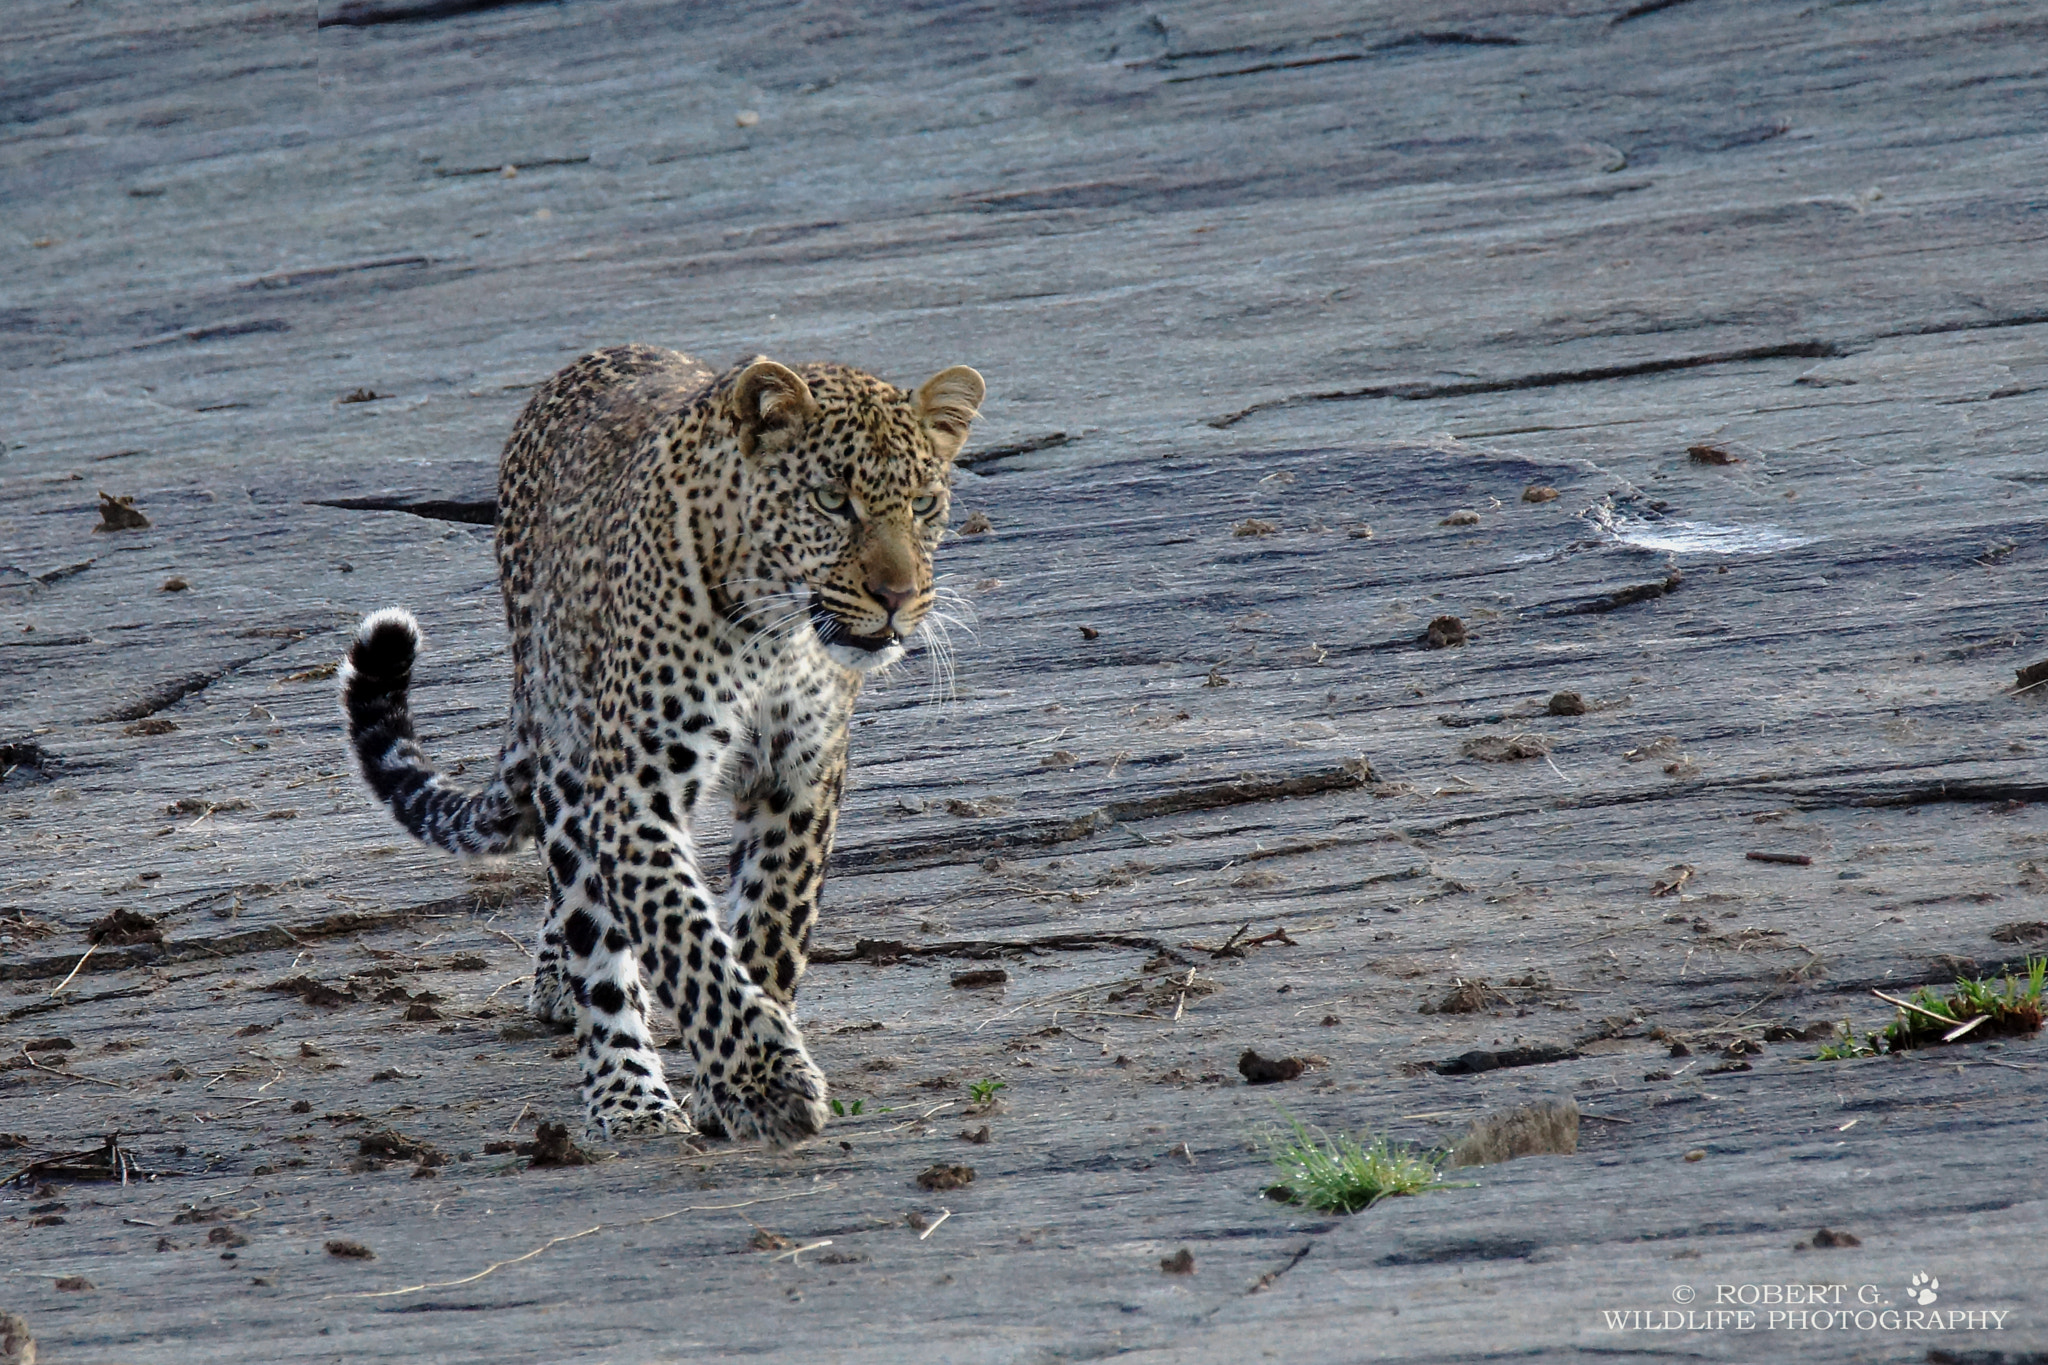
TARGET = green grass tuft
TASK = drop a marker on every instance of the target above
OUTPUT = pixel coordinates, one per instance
(2012, 1006)
(1846, 1046)
(2008, 1005)
(1339, 1174)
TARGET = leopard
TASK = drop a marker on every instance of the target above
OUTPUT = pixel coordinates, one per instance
(699, 570)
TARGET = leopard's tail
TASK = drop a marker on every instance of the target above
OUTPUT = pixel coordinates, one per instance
(374, 679)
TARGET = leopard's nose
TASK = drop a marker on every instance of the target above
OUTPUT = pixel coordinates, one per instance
(893, 596)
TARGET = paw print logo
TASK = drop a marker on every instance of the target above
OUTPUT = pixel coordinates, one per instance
(1921, 1290)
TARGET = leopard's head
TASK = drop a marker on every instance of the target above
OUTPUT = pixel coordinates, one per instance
(846, 496)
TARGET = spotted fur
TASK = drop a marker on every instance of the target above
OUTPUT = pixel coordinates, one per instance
(698, 570)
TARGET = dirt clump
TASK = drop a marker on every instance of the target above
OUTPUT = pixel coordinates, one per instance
(1258, 1070)
(124, 927)
(1505, 748)
(1445, 632)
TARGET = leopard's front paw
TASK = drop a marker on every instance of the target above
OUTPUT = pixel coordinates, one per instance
(645, 1116)
(770, 1090)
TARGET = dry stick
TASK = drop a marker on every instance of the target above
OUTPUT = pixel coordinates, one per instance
(1948, 1019)
(944, 1214)
(794, 1252)
(507, 986)
(1960, 1030)
(1058, 995)
(573, 1236)
(89, 949)
(1671, 887)
(69, 1075)
(1773, 994)
(1608, 934)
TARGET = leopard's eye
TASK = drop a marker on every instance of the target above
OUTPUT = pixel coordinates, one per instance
(923, 506)
(829, 499)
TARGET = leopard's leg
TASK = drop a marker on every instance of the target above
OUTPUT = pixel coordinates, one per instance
(624, 1090)
(754, 1077)
(784, 812)
(550, 998)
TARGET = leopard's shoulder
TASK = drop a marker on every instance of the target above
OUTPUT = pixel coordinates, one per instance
(585, 427)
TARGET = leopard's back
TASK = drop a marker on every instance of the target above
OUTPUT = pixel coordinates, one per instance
(574, 471)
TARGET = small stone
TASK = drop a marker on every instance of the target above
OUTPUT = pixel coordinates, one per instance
(350, 1251)
(1464, 516)
(120, 514)
(1182, 1262)
(1258, 1070)
(1253, 526)
(1539, 492)
(976, 525)
(747, 118)
(1696, 1154)
(174, 585)
(1445, 632)
(1567, 704)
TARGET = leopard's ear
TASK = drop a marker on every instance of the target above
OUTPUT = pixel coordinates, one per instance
(949, 402)
(771, 406)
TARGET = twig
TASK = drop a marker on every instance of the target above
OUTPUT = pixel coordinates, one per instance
(1059, 995)
(1622, 929)
(1684, 870)
(89, 950)
(1789, 859)
(514, 1127)
(944, 1214)
(794, 1252)
(509, 939)
(1961, 1029)
(507, 986)
(68, 1075)
(573, 1236)
(1603, 1118)
(1948, 1019)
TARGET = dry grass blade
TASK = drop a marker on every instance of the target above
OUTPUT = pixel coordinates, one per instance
(496, 1266)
